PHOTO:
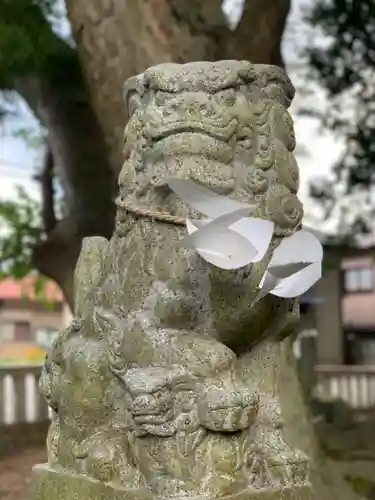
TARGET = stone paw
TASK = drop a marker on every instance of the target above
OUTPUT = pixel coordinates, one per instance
(289, 467)
(105, 457)
(221, 410)
(271, 462)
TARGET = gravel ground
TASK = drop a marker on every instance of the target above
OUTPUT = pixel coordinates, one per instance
(15, 472)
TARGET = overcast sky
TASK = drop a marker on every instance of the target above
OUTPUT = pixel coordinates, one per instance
(17, 161)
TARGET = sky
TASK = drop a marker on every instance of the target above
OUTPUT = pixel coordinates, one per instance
(18, 162)
(320, 149)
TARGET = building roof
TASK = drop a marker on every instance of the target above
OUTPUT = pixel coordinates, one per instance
(12, 289)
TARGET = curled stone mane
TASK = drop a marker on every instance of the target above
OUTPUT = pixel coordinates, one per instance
(224, 124)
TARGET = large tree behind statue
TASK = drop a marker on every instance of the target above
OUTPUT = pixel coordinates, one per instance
(77, 94)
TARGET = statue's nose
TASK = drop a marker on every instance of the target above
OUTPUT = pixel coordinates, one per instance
(189, 108)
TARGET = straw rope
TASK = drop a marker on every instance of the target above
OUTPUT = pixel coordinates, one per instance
(174, 219)
(144, 212)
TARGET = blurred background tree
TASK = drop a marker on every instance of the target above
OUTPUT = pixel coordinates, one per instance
(74, 88)
(342, 62)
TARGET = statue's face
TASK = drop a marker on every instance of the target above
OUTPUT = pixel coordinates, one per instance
(208, 121)
(158, 395)
(152, 406)
(221, 124)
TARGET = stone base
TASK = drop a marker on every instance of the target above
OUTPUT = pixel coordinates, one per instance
(53, 484)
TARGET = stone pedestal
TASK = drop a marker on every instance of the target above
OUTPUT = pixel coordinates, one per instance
(49, 484)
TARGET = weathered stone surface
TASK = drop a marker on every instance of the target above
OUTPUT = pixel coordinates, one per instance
(61, 485)
(166, 384)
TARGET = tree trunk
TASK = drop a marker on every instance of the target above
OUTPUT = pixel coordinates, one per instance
(80, 158)
(117, 40)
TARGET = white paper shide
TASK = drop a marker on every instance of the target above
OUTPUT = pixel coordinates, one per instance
(230, 238)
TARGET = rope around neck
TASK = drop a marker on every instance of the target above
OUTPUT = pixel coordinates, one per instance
(149, 214)
(167, 218)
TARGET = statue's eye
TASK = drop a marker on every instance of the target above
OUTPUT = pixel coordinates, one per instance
(133, 102)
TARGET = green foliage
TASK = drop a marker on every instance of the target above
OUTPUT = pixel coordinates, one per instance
(28, 45)
(20, 232)
(344, 65)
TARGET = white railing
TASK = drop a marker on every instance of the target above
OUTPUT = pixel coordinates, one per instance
(354, 384)
(20, 400)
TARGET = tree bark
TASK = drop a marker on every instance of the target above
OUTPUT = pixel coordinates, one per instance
(80, 158)
(47, 72)
(117, 40)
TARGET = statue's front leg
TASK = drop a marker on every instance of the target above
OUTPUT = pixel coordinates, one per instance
(107, 456)
(269, 451)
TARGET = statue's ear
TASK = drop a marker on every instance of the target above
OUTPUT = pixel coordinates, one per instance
(133, 91)
(56, 353)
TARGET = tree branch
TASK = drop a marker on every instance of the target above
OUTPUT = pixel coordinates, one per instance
(200, 17)
(258, 35)
(56, 257)
(52, 83)
(48, 194)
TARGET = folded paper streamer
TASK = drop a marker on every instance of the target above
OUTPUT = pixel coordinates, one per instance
(295, 266)
(226, 239)
(229, 240)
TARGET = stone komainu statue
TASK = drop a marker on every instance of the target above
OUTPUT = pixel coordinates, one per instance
(166, 382)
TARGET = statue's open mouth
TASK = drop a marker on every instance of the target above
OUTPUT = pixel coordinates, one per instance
(215, 131)
(146, 412)
(155, 418)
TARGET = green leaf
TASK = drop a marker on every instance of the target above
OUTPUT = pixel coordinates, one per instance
(20, 230)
